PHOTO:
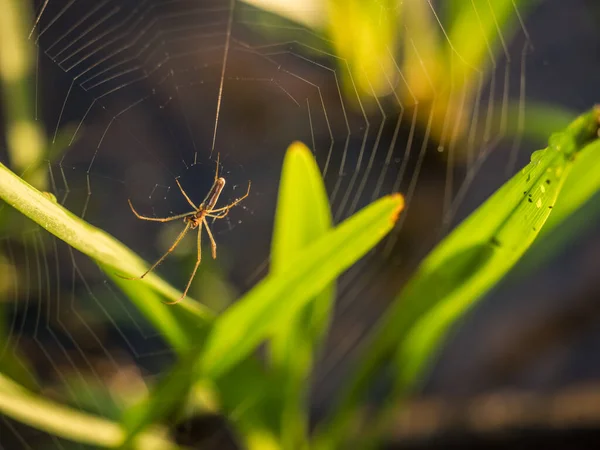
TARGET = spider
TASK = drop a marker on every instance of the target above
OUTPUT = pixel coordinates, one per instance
(194, 219)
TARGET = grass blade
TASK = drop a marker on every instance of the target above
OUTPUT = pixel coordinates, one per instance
(26, 407)
(478, 29)
(562, 225)
(362, 38)
(302, 216)
(252, 319)
(485, 246)
(24, 136)
(582, 184)
(462, 268)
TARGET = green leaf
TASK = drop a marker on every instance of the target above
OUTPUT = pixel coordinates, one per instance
(279, 296)
(302, 207)
(582, 184)
(23, 135)
(302, 217)
(22, 405)
(477, 30)
(562, 225)
(364, 38)
(465, 266)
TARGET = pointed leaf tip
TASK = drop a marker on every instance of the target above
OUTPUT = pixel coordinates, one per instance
(400, 199)
(298, 147)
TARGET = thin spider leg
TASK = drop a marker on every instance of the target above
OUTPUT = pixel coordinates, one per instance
(217, 216)
(157, 219)
(213, 244)
(232, 204)
(198, 259)
(185, 195)
(162, 258)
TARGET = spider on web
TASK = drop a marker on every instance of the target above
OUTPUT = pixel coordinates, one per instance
(194, 219)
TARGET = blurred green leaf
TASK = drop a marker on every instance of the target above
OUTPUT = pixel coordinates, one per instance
(479, 28)
(538, 120)
(364, 34)
(91, 395)
(12, 362)
(302, 217)
(463, 267)
(19, 404)
(310, 13)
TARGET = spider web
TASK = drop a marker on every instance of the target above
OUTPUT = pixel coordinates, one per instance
(146, 92)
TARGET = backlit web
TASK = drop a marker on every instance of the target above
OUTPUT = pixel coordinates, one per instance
(135, 94)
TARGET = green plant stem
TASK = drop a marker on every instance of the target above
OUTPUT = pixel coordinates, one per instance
(20, 404)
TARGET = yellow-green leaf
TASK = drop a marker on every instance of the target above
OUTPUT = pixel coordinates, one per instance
(254, 318)
(303, 215)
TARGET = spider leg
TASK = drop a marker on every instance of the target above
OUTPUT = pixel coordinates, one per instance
(232, 204)
(189, 283)
(213, 244)
(157, 219)
(162, 258)
(218, 216)
(185, 195)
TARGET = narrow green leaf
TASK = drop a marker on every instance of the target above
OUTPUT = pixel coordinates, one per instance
(464, 266)
(302, 207)
(364, 39)
(23, 134)
(486, 245)
(22, 405)
(478, 29)
(302, 217)
(563, 225)
(252, 319)
(582, 184)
